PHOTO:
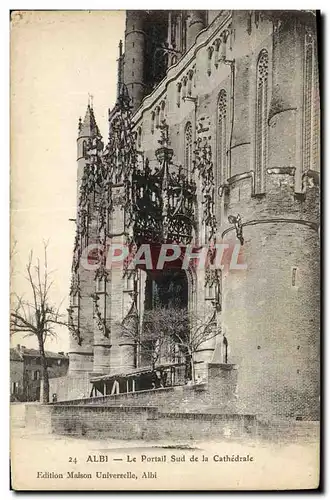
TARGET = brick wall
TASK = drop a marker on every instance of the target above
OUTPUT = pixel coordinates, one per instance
(95, 420)
(140, 422)
(201, 426)
(270, 315)
(148, 423)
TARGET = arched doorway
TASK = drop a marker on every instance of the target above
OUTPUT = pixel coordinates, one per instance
(167, 289)
(166, 311)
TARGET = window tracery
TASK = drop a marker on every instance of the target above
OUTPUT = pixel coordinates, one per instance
(261, 121)
(221, 136)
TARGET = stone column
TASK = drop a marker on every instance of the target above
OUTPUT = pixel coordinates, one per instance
(134, 56)
(286, 101)
(240, 146)
(122, 352)
(102, 332)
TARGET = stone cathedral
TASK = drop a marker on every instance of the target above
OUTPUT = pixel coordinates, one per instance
(214, 138)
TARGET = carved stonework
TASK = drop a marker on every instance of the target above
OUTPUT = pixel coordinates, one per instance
(104, 167)
(211, 277)
(163, 199)
(203, 164)
(164, 136)
(100, 320)
(75, 285)
(102, 273)
(237, 222)
(118, 198)
(213, 282)
(73, 325)
(158, 203)
(203, 125)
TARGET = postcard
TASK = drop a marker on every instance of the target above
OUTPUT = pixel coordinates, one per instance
(165, 250)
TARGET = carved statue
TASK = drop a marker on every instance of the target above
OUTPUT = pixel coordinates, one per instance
(237, 221)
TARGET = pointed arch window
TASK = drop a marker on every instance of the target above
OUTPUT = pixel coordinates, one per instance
(210, 51)
(139, 136)
(162, 111)
(157, 116)
(221, 137)
(184, 87)
(311, 106)
(188, 147)
(85, 220)
(178, 94)
(152, 122)
(190, 79)
(84, 149)
(261, 136)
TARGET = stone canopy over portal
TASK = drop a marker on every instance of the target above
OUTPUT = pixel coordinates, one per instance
(126, 198)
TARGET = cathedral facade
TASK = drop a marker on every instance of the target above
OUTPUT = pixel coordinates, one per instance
(214, 139)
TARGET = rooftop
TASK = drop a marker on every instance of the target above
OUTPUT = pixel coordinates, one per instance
(19, 352)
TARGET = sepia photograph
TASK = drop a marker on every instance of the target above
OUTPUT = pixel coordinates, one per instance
(165, 250)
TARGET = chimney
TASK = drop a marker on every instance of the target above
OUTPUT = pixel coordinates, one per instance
(18, 347)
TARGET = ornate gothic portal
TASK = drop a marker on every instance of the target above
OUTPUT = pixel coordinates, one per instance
(126, 199)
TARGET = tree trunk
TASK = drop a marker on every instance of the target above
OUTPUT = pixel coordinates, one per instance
(45, 378)
(192, 368)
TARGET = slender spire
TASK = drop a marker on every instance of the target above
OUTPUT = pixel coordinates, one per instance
(90, 100)
(88, 127)
(120, 69)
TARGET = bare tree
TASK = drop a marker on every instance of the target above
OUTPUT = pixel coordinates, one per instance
(201, 329)
(155, 338)
(37, 316)
(167, 329)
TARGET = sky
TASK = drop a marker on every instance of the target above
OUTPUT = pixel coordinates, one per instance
(57, 59)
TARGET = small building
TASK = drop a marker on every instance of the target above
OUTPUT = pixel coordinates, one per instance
(26, 371)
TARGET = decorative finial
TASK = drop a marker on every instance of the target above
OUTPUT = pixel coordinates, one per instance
(79, 124)
(90, 100)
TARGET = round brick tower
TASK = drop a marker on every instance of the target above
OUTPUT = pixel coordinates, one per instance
(270, 311)
(81, 304)
(135, 56)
